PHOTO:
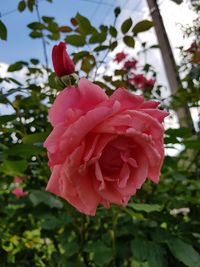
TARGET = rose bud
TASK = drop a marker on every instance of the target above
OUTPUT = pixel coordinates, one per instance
(63, 65)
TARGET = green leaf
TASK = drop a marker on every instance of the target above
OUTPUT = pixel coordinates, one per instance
(154, 46)
(178, 2)
(118, 83)
(53, 27)
(139, 249)
(3, 31)
(65, 29)
(54, 36)
(35, 34)
(113, 31)
(129, 41)
(143, 250)
(14, 168)
(37, 197)
(135, 263)
(55, 82)
(34, 61)
(84, 24)
(101, 48)
(17, 66)
(117, 11)
(50, 222)
(156, 255)
(184, 252)
(6, 118)
(192, 143)
(120, 72)
(180, 132)
(80, 55)
(145, 207)
(36, 26)
(35, 138)
(107, 78)
(21, 6)
(31, 4)
(47, 19)
(142, 26)
(24, 150)
(126, 25)
(173, 135)
(14, 81)
(103, 28)
(102, 253)
(88, 63)
(98, 38)
(3, 99)
(75, 40)
(146, 67)
(71, 248)
(113, 45)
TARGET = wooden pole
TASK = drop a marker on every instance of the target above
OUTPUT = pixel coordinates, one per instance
(183, 113)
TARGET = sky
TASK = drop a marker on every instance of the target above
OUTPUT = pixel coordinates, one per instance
(20, 46)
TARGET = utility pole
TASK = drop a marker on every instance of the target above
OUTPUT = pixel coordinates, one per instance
(183, 113)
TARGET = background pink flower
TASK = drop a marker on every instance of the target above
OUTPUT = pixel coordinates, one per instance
(18, 179)
(102, 149)
(120, 56)
(18, 192)
(138, 80)
(192, 48)
(150, 83)
(130, 64)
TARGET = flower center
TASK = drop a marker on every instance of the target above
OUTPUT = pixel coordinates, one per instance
(110, 161)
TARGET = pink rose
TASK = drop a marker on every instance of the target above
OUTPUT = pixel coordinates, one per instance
(150, 83)
(63, 65)
(18, 179)
(18, 192)
(102, 149)
(138, 80)
(192, 48)
(120, 56)
(130, 64)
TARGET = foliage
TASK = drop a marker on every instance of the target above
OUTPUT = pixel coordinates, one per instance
(3, 31)
(40, 229)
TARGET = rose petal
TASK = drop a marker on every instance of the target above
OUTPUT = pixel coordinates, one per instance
(150, 104)
(78, 130)
(127, 99)
(111, 194)
(91, 142)
(124, 176)
(158, 114)
(85, 97)
(53, 183)
(73, 134)
(82, 182)
(99, 176)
